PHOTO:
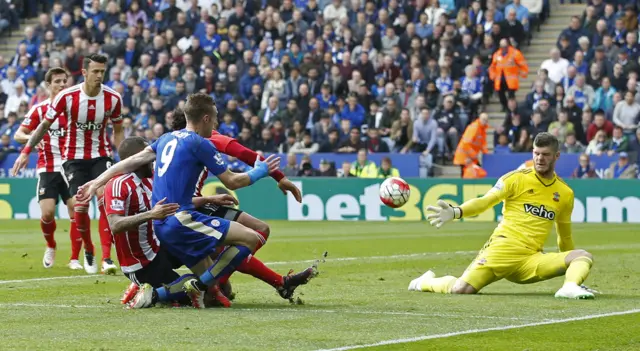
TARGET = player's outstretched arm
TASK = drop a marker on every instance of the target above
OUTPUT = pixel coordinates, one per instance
(120, 224)
(132, 163)
(22, 135)
(261, 169)
(444, 212)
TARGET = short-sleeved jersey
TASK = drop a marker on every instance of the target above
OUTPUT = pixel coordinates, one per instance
(51, 148)
(180, 157)
(220, 142)
(128, 195)
(87, 119)
(531, 206)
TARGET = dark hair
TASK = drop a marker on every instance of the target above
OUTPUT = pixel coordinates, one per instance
(131, 146)
(93, 58)
(54, 71)
(197, 106)
(179, 120)
(545, 139)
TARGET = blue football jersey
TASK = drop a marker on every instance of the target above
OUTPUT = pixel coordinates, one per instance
(180, 157)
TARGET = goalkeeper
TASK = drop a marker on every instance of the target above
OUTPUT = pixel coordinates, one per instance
(534, 199)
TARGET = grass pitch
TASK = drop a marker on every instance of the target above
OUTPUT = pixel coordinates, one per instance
(360, 300)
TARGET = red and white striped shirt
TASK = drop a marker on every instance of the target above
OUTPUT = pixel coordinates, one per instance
(128, 195)
(50, 149)
(87, 119)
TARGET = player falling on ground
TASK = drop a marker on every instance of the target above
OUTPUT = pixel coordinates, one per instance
(284, 285)
(88, 106)
(128, 205)
(534, 199)
(189, 236)
(51, 182)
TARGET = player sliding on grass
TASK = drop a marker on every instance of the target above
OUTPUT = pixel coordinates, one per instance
(534, 199)
(142, 259)
(190, 236)
(285, 285)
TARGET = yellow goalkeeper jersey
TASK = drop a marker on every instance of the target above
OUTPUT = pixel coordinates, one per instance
(532, 205)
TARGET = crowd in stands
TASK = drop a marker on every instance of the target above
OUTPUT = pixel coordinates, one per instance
(341, 76)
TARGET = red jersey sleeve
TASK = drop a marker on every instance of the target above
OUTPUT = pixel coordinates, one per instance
(248, 156)
(115, 197)
(116, 112)
(32, 118)
(57, 106)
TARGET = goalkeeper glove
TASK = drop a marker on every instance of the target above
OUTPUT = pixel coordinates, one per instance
(442, 213)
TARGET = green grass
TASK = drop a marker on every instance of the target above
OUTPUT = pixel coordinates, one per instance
(361, 300)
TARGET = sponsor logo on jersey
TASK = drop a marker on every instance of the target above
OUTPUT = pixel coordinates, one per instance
(89, 126)
(92, 107)
(218, 159)
(556, 197)
(56, 133)
(539, 211)
(215, 223)
(117, 205)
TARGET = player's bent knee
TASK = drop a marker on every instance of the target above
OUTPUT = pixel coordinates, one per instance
(264, 229)
(462, 287)
(582, 253)
(48, 216)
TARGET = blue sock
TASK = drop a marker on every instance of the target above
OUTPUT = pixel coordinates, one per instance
(226, 263)
(173, 291)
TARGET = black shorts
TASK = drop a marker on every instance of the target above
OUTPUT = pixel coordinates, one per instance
(224, 212)
(52, 185)
(79, 172)
(157, 273)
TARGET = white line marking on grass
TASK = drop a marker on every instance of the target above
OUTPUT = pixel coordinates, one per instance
(476, 331)
(288, 310)
(49, 278)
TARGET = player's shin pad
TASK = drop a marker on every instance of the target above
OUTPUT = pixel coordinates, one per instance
(226, 263)
(173, 291)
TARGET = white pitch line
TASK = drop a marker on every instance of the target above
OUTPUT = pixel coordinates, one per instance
(484, 330)
(288, 310)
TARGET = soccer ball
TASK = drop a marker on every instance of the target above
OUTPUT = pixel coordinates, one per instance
(394, 192)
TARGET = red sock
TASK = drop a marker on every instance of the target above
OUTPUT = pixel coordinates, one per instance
(84, 225)
(106, 238)
(48, 229)
(254, 267)
(263, 240)
(76, 240)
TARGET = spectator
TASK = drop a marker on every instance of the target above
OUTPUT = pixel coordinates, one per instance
(502, 146)
(603, 99)
(306, 168)
(373, 144)
(561, 127)
(353, 143)
(386, 169)
(473, 143)
(514, 27)
(327, 169)
(582, 93)
(599, 123)
(248, 80)
(505, 76)
(6, 147)
(229, 127)
(626, 114)
(14, 100)
(622, 169)
(246, 139)
(362, 167)
(332, 143)
(619, 142)
(9, 83)
(291, 169)
(305, 146)
(270, 113)
(402, 132)
(353, 111)
(573, 32)
(275, 87)
(572, 145)
(585, 168)
(345, 170)
(449, 126)
(537, 95)
(524, 142)
(265, 143)
(598, 145)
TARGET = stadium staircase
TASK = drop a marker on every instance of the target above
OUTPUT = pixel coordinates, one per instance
(9, 40)
(543, 41)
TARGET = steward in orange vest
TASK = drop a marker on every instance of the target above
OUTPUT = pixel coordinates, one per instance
(507, 65)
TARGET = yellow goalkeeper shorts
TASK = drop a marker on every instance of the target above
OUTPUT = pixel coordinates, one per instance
(502, 257)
